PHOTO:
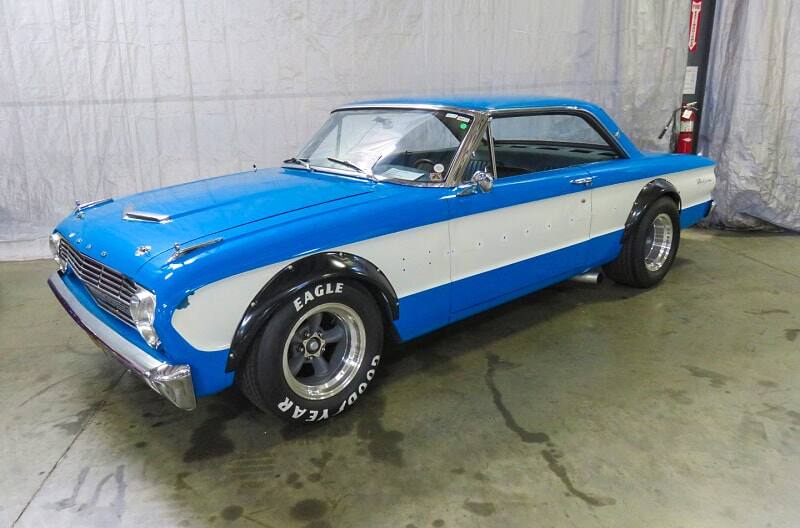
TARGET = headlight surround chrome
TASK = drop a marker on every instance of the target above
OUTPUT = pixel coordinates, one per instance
(143, 312)
(55, 244)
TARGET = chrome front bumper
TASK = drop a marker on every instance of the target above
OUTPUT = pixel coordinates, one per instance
(174, 382)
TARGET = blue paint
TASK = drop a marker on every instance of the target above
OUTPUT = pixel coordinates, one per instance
(517, 190)
(691, 215)
(612, 172)
(281, 214)
(208, 368)
(423, 312)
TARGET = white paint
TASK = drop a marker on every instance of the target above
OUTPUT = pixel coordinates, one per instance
(611, 204)
(491, 240)
(418, 259)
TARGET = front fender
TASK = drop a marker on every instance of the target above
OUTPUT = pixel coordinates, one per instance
(295, 277)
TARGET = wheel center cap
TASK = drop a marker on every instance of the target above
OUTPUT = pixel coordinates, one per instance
(313, 346)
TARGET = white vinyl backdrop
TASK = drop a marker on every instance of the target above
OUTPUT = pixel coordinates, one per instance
(751, 120)
(107, 98)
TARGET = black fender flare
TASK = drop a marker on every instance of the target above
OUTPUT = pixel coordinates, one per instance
(649, 194)
(285, 285)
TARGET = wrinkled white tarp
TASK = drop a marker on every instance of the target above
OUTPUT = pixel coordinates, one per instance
(751, 122)
(108, 98)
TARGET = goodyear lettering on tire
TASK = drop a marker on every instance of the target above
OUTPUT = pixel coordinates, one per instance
(312, 415)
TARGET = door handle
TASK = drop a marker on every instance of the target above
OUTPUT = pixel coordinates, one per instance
(582, 181)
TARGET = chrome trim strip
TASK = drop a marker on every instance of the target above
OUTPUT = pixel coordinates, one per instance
(181, 251)
(408, 106)
(467, 147)
(80, 208)
(491, 147)
(143, 216)
(174, 382)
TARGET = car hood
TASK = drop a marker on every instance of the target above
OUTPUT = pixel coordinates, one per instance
(199, 210)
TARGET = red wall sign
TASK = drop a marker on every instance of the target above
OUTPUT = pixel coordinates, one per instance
(694, 23)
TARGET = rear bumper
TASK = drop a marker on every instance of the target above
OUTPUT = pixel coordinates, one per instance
(174, 382)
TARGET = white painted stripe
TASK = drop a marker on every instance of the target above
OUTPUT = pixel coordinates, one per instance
(498, 238)
(611, 204)
(418, 259)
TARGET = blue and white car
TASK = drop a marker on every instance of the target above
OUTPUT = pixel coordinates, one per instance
(397, 218)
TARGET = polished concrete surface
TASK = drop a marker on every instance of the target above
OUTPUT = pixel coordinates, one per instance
(576, 406)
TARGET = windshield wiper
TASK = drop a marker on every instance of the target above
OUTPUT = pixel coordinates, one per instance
(347, 164)
(353, 166)
(299, 161)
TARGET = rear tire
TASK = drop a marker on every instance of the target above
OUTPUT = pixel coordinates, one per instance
(317, 354)
(649, 251)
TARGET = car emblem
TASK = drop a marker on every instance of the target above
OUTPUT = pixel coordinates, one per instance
(104, 253)
(142, 250)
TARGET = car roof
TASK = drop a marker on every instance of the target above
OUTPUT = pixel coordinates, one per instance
(483, 103)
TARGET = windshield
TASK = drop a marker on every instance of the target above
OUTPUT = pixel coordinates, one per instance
(408, 145)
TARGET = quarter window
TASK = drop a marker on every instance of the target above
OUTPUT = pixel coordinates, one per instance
(542, 142)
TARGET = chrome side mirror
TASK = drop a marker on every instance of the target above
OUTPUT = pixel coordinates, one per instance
(481, 182)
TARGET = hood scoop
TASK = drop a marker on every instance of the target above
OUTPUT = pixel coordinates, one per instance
(142, 216)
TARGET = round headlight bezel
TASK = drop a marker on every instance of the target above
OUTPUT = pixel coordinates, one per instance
(143, 313)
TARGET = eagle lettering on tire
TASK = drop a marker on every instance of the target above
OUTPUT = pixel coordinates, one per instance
(317, 354)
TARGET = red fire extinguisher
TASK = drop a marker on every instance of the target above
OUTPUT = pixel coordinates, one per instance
(682, 139)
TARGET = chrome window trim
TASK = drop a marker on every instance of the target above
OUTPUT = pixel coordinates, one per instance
(459, 160)
(408, 106)
(592, 119)
(481, 123)
(491, 148)
(571, 110)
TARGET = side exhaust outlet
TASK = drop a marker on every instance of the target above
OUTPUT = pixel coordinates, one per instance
(590, 277)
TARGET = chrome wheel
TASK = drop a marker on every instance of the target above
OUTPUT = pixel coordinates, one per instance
(324, 351)
(658, 242)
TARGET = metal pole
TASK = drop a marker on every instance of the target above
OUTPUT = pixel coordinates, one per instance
(701, 24)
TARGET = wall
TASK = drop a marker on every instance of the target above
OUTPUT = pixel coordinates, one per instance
(108, 98)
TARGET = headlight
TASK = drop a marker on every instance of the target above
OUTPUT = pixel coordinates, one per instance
(55, 243)
(143, 313)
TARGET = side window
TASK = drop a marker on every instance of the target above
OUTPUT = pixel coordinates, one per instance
(542, 142)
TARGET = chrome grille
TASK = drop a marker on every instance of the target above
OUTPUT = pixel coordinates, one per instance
(110, 289)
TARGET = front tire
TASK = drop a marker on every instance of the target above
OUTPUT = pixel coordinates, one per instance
(649, 251)
(317, 354)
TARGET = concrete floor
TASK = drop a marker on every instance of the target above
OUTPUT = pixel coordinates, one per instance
(576, 406)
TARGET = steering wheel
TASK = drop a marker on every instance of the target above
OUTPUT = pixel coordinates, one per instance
(423, 161)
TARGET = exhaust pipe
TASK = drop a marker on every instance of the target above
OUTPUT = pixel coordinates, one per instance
(590, 277)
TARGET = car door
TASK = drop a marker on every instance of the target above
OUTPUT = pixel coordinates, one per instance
(532, 228)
